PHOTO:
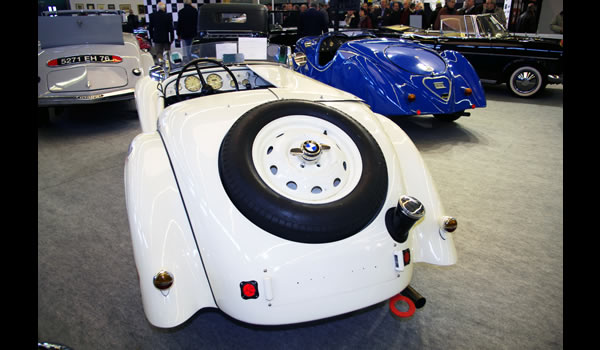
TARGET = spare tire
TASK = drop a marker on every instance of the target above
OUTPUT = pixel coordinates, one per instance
(271, 176)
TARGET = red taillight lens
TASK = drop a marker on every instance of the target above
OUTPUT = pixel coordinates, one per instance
(406, 256)
(249, 290)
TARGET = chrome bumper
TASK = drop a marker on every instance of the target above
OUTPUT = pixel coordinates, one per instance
(555, 79)
(57, 100)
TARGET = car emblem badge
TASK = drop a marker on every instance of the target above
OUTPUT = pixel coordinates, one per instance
(310, 151)
(311, 147)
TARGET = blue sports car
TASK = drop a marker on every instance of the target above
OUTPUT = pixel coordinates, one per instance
(394, 76)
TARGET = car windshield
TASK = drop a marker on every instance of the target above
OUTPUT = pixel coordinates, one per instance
(490, 26)
(244, 50)
(215, 68)
(472, 25)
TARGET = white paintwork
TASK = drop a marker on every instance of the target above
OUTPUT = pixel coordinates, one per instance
(427, 242)
(149, 103)
(91, 82)
(161, 235)
(297, 282)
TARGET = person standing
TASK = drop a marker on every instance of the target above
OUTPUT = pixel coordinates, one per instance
(323, 9)
(434, 14)
(527, 22)
(395, 16)
(406, 12)
(132, 21)
(364, 19)
(311, 22)
(187, 24)
(375, 13)
(161, 30)
(557, 23)
(386, 11)
(351, 19)
(448, 9)
(469, 8)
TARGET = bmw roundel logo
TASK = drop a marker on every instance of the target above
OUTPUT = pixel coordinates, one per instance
(310, 146)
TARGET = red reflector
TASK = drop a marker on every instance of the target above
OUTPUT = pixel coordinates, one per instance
(249, 290)
(394, 309)
(473, 106)
(117, 59)
(406, 256)
(52, 63)
(418, 112)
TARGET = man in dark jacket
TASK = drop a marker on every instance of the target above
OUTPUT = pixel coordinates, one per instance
(161, 30)
(526, 23)
(187, 24)
(469, 8)
(448, 9)
(311, 22)
(395, 16)
(132, 22)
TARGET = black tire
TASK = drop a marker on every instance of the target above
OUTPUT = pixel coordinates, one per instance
(282, 216)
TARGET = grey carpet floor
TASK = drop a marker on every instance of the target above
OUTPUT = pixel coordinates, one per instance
(500, 172)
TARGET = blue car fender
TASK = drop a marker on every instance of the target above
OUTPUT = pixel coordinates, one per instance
(366, 79)
(465, 77)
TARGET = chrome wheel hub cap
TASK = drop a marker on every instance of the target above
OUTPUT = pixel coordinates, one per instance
(310, 151)
(526, 81)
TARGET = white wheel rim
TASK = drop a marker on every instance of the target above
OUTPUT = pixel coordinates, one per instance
(333, 176)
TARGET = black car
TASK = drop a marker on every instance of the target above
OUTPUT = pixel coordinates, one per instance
(225, 22)
(526, 63)
(217, 21)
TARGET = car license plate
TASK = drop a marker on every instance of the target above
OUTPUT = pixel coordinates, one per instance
(64, 61)
(90, 97)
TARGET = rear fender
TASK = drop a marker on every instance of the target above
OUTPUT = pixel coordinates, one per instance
(161, 236)
(464, 76)
(149, 103)
(426, 239)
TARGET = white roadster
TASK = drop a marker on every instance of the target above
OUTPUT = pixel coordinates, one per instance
(273, 197)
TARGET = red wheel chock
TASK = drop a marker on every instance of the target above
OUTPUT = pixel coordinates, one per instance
(411, 306)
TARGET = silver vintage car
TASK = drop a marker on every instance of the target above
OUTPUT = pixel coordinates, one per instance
(85, 57)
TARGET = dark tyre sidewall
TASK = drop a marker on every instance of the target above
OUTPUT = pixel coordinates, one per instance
(284, 217)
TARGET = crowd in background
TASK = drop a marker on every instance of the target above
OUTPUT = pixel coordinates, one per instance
(316, 18)
(386, 13)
